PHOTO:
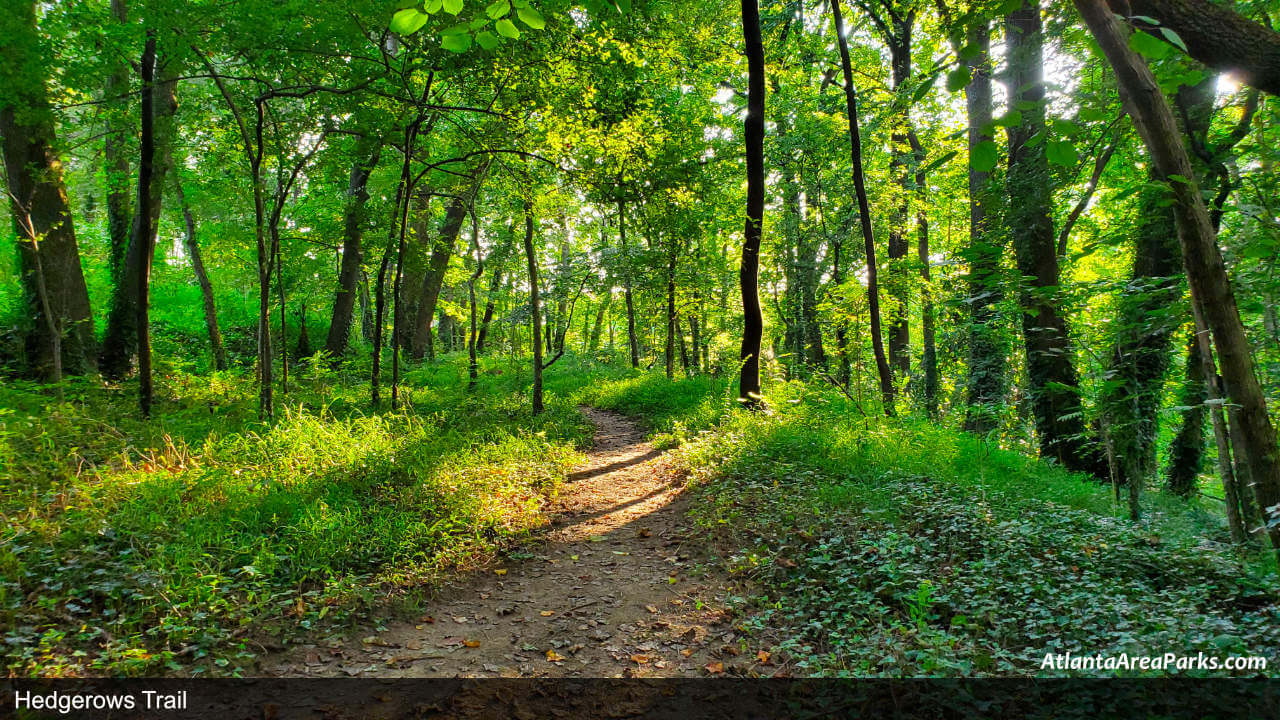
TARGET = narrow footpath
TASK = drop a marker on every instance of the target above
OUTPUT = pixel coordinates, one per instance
(613, 592)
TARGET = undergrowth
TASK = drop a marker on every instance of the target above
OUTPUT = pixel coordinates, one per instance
(133, 547)
(893, 547)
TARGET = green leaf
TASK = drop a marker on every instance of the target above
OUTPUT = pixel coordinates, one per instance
(506, 29)
(1062, 152)
(984, 155)
(453, 7)
(957, 79)
(1035, 140)
(456, 42)
(487, 40)
(1148, 46)
(938, 162)
(1009, 119)
(531, 17)
(1173, 38)
(498, 9)
(432, 6)
(408, 21)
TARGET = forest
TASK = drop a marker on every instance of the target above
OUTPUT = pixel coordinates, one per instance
(638, 338)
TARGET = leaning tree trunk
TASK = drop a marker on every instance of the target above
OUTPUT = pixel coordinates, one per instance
(1206, 273)
(1051, 374)
(350, 272)
(864, 213)
(201, 275)
(47, 250)
(749, 268)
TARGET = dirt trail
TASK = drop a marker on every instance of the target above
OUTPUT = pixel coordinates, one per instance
(612, 593)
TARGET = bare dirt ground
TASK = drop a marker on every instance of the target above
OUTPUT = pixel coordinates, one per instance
(613, 592)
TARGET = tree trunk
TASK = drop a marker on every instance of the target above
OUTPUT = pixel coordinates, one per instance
(1051, 374)
(1140, 359)
(899, 42)
(350, 272)
(1186, 452)
(366, 309)
(120, 342)
(633, 343)
(201, 275)
(1206, 273)
(115, 157)
(749, 268)
(928, 330)
(433, 280)
(672, 321)
(47, 249)
(143, 236)
(864, 214)
(986, 382)
(1216, 35)
(535, 308)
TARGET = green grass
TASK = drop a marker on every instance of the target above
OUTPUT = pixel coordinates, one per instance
(131, 547)
(900, 548)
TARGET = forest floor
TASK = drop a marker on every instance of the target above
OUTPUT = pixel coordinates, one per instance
(614, 592)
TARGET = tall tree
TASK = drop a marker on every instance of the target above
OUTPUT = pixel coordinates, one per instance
(749, 267)
(883, 370)
(1206, 273)
(1051, 373)
(350, 272)
(61, 332)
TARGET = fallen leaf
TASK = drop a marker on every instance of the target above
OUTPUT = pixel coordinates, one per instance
(500, 571)
(763, 657)
(640, 659)
(686, 652)
(651, 608)
(450, 642)
(471, 643)
(427, 619)
(547, 613)
(714, 668)
(554, 656)
(644, 532)
(413, 645)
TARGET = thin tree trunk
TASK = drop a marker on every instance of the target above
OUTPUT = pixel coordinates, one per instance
(672, 322)
(201, 275)
(366, 308)
(749, 268)
(535, 308)
(864, 214)
(633, 342)
(928, 330)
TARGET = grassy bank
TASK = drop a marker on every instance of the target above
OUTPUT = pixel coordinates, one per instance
(895, 547)
(193, 540)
